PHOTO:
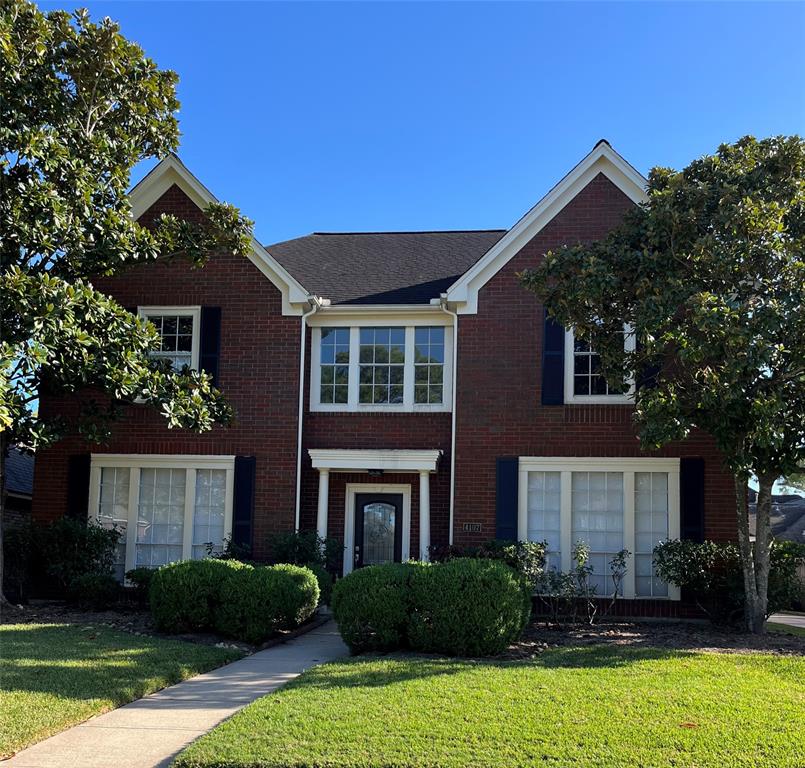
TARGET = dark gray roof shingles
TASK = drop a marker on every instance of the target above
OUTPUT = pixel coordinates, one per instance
(19, 472)
(382, 267)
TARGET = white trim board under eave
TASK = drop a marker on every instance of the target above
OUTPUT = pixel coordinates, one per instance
(172, 171)
(463, 294)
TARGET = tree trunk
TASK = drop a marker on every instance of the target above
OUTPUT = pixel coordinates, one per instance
(3, 447)
(755, 559)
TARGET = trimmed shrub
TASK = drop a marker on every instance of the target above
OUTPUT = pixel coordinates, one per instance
(67, 549)
(467, 607)
(372, 605)
(95, 591)
(140, 580)
(325, 579)
(526, 557)
(256, 602)
(185, 595)
(304, 548)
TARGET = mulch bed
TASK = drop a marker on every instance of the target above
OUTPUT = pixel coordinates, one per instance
(137, 621)
(680, 635)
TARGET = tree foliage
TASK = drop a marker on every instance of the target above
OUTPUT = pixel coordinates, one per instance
(710, 275)
(80, 106)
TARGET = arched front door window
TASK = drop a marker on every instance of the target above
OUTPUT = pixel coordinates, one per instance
(378, 529)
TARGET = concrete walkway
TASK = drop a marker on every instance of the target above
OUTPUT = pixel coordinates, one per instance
(150, 732)
(791, 619)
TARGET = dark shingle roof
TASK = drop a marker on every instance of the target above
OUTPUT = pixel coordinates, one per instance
(382, 267)
(19, 472)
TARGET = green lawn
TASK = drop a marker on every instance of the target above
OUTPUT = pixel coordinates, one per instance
(595, 706)
(55, 675)
(784, 629)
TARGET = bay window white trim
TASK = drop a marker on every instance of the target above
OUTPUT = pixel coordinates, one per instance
(353, 403)
(137, 462)
(571, 397)
(185, 311)
(628, 466)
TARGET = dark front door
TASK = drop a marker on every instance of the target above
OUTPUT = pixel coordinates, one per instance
(378, 528)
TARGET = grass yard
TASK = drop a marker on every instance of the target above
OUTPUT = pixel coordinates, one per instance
(594, 706)
(785, 629)
(56, 675)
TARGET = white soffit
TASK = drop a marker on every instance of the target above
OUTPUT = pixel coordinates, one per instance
(172, 171)
(603, 159)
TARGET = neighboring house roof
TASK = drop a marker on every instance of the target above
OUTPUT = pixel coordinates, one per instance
(787, 517)
(19, 473)
(382, 267)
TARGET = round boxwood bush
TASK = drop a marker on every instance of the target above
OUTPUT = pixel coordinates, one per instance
(95, 591)
(467, 607)
(371, 606)
(185, 595)
(256, 602)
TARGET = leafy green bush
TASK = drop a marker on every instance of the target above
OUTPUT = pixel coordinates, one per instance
(325, 579)
(305, 548)
(526, 557)
(95, 591)
(713, 575)
(185, 595)
(256, 602)
(372, 605)
(67, 549)
(17, 545)
(140, 580)
(467, 607)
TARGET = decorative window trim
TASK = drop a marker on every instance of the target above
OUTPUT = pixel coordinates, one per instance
(408, 405)
(137, 462)
(628, 466)
(571, 397)
(186, 311)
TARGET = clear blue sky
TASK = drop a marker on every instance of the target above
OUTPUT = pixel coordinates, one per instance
(384, 116)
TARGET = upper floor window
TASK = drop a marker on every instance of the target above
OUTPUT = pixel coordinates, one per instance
(584, 379)
(381, 368)
(178, 329)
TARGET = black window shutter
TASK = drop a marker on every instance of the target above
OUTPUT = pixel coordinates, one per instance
(691, 499)
(78, 486)
(507, 476)
(553, 363)
(210, 341)
(243, 501)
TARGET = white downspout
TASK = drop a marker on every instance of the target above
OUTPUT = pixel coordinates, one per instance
(315, 302)
(454, 315)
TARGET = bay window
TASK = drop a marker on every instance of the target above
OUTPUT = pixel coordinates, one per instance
(381, 368)
(610, 505)
(167, 508)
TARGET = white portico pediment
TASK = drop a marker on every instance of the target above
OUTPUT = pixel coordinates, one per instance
(389, 460)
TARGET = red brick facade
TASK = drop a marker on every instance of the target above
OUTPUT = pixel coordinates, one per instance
(499, 411)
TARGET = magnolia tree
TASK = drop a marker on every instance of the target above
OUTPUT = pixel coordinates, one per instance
(80, 106)
(709, 273)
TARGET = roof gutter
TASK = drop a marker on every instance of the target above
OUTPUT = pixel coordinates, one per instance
(315, 303)
(443, 306)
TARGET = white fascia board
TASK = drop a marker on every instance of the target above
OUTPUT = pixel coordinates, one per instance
(349, 460)
(342, 315)
(603, 159)
(172, 171)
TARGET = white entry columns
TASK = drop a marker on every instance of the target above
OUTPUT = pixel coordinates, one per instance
(421, 462)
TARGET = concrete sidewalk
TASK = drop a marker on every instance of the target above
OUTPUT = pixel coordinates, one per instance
(150, 732)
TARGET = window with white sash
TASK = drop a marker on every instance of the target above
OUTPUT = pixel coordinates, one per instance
(608, 503)
(167, 507)
(179, 330)
(584, 379)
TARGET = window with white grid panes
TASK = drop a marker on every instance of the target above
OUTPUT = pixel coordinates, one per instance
(429, 364)
(160, 517)
(334, 365)
(113, 510)
(544, 514)
(209, 511)
(382, 365)
(651, 527)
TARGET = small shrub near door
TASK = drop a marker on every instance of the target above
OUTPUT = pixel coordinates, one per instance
(467, 607)
(372, 606)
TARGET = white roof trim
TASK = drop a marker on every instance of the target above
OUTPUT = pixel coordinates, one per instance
(603, 159)
(348, 460)
(172, 171)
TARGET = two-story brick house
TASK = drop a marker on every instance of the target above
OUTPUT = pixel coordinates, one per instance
(393, 390)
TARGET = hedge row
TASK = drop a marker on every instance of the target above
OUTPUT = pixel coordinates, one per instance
(463, 607)
(238, 600)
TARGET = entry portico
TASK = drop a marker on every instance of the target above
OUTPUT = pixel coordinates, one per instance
(388, 503)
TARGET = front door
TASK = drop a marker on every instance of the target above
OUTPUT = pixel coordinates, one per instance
(378, 528)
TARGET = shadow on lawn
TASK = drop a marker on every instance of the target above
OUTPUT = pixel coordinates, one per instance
(89, 663)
